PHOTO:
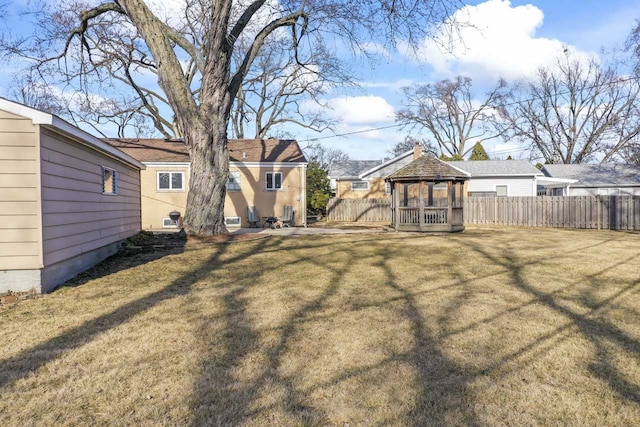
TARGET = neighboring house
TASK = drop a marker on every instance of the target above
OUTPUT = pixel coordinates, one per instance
(268, 174)
(607, 179)
(67, 199)
(365, 179)
(500, 177)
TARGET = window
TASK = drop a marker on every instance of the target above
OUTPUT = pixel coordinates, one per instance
(387, 188)
(502, 190)
(233, 182)
(169, 223)
(232, 221)
(109, 181)
(274, 181)
(360, 185)
(171, 181)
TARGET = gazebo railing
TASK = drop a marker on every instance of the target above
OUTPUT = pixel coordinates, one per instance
(409, 216)
(432, 215)
(435, 216)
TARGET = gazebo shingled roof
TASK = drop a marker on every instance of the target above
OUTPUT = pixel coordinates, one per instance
(427, 167)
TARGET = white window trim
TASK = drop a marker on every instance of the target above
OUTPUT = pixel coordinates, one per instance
(495, 188)
(115, 181)
(239, 220)
(360, 189)
(172, 223)
(180, 190)
(273, 181)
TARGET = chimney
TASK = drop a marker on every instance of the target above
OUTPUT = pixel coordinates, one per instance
(417, 151)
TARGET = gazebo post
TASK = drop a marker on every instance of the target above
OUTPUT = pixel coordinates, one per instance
(421, 203)
(396, 211)
(449, 203)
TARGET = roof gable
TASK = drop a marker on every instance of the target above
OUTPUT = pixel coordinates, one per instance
(240, 150)
(428, 166)
(352, 168)
(59, 125)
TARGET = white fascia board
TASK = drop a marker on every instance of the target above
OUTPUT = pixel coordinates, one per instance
(385, 164)
(41, 118)
(552, 180)
(518, 175)
(268, 164)
(167, 164)
(37, 117)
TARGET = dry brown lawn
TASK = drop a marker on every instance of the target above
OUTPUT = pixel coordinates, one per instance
(494, 326)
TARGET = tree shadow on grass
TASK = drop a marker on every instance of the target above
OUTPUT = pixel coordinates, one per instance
(129, 256)
(599, 332)
(221, 397)
(29, 361)
(442, 396)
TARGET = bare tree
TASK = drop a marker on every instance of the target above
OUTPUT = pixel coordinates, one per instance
(448, 111)
(325, 157)
(576, 112)
(633, 45)
(409, 143)
(38, 95)
(277, 87)
(189, 53)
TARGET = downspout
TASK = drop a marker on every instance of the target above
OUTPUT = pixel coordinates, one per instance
(303, 196)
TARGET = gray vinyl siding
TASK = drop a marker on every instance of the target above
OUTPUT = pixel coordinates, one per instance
(517, 186)
(76, 217)
(20, 219)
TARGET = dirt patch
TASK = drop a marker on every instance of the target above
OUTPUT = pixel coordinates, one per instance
(9, 298)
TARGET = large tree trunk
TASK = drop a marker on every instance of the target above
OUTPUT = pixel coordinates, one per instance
(207, 186)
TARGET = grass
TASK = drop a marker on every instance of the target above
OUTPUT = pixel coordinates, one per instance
(494, 326)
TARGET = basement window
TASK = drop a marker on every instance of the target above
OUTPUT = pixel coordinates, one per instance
(232, 221)
(169, 223)
(359, 185)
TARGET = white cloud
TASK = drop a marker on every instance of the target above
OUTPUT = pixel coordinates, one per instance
(361, 110)
(498, 41)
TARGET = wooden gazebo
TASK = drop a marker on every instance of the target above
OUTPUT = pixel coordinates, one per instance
(427, 195)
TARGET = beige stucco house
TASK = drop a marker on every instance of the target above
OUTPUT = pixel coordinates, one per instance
(67, 199)
(268, 174)
(365, 179)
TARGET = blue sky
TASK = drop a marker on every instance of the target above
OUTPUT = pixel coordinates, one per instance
(516, 38)
(511, 39)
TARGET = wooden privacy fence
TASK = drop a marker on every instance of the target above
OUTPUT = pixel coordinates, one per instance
(598, 212)
(373, 210)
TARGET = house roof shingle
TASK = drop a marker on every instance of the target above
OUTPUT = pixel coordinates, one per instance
(428, 166)
(352, 168)
(596, 175)
(497, 167)
(240, 150)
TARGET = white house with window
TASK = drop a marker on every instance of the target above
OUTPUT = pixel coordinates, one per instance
(609, 179)
(500, 178)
